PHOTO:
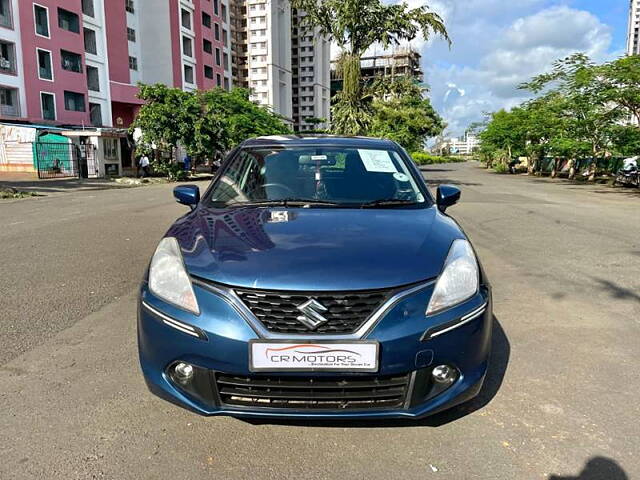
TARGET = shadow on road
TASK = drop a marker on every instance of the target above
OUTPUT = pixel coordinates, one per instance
(449, 181)
(616, 291)
(500, 353)
(428, 169)
(597, 468)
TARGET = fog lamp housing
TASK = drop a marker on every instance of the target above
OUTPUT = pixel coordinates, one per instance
(183, 372)
(444, 374)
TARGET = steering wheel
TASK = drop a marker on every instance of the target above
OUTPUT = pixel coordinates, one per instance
(288, 191)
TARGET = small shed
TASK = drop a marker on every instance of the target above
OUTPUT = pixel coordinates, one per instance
(100, 151)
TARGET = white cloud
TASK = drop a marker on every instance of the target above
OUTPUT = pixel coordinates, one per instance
(492, 54)
(498, 44)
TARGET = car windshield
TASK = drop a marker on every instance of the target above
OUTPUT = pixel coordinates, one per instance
(317, 176)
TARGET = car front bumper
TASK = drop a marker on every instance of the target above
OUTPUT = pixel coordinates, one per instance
(216, 343)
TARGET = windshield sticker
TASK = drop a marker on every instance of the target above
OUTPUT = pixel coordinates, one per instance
(318, 158)
(377, 161)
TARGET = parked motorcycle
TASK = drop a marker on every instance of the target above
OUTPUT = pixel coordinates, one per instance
(629, 173)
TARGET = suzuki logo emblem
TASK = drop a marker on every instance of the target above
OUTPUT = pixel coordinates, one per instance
(312, 314)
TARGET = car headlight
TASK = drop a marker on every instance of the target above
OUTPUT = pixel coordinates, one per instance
(459, 279)
(168, 277)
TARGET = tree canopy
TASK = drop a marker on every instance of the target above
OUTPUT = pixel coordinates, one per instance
(203, 122)
(581, 111)
(355, 25)
(402, 113)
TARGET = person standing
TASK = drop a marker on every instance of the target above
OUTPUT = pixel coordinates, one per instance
(144, 164)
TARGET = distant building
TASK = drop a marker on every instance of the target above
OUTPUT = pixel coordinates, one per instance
(464, 145)
(403, 62)
(633, 33)
(285, 66)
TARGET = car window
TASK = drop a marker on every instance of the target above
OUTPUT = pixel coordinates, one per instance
(342, 176)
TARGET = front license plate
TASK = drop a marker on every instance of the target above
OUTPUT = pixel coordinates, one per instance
(273, 356)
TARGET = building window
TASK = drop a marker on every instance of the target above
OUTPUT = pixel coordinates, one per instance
(9, 105)
(95, 117)
(93, 79)
(41, 16)
(133, 63)
(129, 7)
(87, 8)
(90, 42)
(6, 18)
(207, 46)
(110, 148)
(218, 56)
(71, 62)
(218, 80)
(206, 20)
(225, 59)
(74, 102)
(187, 46)
(188, 74)
(7, 58)
(45, 70)
(48, 104)
(186, 19)
(227, 86)
(68, 20)
(131, 34)
(224, 10)
(216, 31)
(208, 71)
(215, 7)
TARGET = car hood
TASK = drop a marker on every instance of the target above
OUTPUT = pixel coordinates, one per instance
(316, 249)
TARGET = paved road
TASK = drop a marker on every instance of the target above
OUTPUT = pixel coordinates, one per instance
(561, 401)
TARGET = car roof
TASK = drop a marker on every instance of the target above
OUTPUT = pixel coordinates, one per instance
(318, 140)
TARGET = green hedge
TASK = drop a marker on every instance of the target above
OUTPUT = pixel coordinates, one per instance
(423, 158)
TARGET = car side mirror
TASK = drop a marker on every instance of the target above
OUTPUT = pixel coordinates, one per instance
(187, 195)
(446, 196)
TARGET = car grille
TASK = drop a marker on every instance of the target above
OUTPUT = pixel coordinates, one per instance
(318, 393)
(346, 311)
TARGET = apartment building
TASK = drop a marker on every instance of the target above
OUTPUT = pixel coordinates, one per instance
(261, 52)
(633, 33)
(310, 60)
(285, 66)
(77, 62)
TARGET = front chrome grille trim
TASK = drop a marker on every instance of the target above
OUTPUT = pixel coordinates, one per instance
(232, 298)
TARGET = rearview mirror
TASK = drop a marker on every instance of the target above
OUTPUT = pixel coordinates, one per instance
(318, 160)
(446, 196)
(187, 195)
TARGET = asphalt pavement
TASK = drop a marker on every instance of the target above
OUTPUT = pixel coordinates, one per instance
(561, 400)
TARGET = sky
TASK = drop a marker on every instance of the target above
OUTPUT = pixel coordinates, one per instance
(498, 44)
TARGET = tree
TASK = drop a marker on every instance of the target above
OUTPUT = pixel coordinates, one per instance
(240, 117)
(355, 25)
(203, 122)
(621, 84)
(505, 136)
(402, 113)
(587, 109)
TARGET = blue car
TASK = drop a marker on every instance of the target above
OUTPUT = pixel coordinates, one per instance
(315, 277)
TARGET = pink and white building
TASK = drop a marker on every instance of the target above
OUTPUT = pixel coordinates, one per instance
(77, 62)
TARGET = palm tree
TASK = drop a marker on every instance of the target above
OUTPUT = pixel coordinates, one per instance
(355, 25)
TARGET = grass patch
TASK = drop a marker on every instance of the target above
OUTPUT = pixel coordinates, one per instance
(500, 168)
(8, 192)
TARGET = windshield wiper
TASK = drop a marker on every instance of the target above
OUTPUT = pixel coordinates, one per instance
(388, 202)
(285, 202)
